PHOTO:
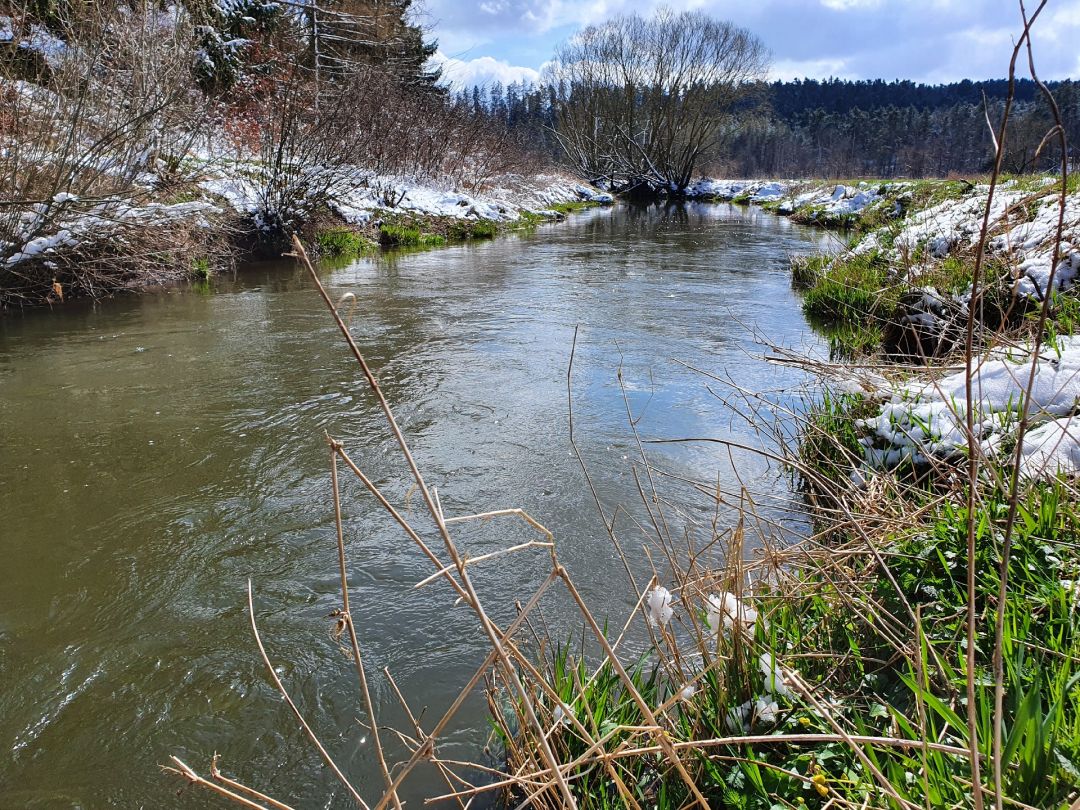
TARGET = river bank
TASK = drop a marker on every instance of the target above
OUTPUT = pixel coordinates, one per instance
(917, 647)
(215, 218)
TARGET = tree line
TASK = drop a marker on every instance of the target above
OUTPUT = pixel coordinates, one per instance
(836, 127)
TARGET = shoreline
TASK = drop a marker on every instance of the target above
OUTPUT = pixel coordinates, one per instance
(94, 249)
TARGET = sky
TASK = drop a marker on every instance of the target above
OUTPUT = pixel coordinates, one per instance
(931, 41)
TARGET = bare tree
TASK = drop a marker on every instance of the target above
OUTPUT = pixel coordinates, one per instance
(640, 100)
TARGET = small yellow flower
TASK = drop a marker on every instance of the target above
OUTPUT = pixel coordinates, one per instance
(804, 721)
(821, 784)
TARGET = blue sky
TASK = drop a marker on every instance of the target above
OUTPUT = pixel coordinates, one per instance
(481, 41)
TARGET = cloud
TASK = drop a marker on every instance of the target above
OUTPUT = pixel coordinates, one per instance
(788, 69)
(461, 74)
(922, 40)
(844, 5)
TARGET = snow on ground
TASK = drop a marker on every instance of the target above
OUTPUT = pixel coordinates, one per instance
(827, 199)
(1032, 242)
(1051, 449)
(51, 228)
(35, 39)
(1025, 241)
(359, 198)
(927, 419)
(831, 201)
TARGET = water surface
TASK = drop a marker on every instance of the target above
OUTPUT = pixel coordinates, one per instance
(158, 451)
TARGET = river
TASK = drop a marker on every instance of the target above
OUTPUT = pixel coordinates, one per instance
(158, 451)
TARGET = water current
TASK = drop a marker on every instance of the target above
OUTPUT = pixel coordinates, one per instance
(157, 451)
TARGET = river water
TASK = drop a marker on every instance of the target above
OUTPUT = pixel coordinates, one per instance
(158, 451)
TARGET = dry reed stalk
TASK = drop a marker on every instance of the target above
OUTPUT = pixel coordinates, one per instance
(345, 616)
(299, 717)
(974, 449)
(998, 663)
(193, 778)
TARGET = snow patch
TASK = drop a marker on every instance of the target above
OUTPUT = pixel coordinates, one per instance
(928, 419)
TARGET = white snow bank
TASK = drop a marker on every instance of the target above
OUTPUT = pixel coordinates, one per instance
(718, 189)
(928, 419)
(757, 191)
(947, 225)
(98, 222)
(1051, 449)
(359, 196)
(769, 192)
(833, 201)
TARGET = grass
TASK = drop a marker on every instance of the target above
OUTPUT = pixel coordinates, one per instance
(392, 235)
(571, 207)
(200, 269)
(854, 290)
(466, 230)
(342, 243)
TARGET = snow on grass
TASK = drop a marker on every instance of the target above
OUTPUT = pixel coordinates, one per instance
(952, 223)
(358, 197)
(83, 228)
(1032, 243)
(833, 201)
(928, 419)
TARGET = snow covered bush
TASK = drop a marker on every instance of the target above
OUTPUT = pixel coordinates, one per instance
(80, 151)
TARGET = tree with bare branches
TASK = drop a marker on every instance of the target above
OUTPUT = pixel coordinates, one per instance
(641, 100)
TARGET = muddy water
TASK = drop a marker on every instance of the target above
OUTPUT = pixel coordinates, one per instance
(157, 452)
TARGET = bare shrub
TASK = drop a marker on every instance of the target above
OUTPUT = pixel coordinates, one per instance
(309, 143)
(116, 104)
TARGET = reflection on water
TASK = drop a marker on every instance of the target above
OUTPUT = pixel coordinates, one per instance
(158, 451)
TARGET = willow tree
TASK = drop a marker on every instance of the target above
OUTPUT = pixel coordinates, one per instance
(640, 101)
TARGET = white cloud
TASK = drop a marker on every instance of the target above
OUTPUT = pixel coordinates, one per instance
(480, 72)
(789, 69)
(923, 40)
(844, 5)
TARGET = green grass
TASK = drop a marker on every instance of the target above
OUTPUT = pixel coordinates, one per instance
(806, 269)
(853, 290)
(394, 235)
(571, 206)
(342, 242)
(1064, 317)
(200, 269)
(462, 231)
